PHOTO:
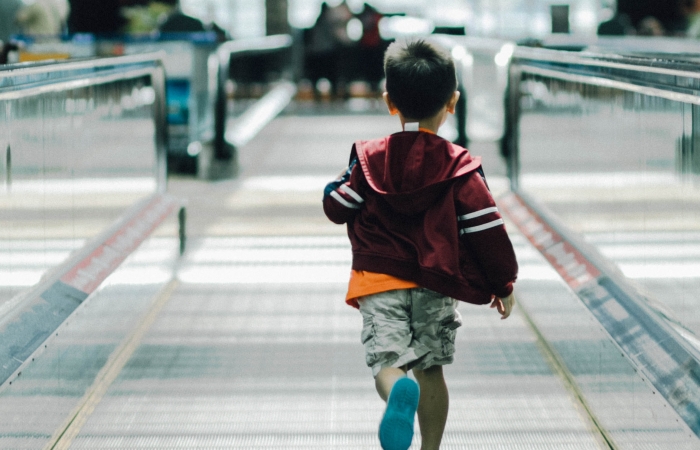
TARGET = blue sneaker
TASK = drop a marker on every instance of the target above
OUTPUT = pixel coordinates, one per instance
(396, 428)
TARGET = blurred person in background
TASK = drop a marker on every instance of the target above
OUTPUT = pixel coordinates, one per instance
(339, 17)
(326, 45)
(43, 17)
(371, 48)
(319, 49)
(179, 22)
(618, 25)
(670, 15)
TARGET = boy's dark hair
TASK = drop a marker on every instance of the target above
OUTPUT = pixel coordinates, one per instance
(420, 78)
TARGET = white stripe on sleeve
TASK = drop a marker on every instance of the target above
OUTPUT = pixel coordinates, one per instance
(342, 201)
(479, 213)
(485, 226)
(345, 188)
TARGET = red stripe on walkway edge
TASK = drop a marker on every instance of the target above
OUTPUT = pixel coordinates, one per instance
(569, 262)
(654, 347)
(87, 274)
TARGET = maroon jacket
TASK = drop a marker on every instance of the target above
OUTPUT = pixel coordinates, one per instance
(417, 207)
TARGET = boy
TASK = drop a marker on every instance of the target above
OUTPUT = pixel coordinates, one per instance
(425, 232)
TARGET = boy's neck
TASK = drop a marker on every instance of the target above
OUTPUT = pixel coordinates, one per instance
(429, 125)
(415, 126)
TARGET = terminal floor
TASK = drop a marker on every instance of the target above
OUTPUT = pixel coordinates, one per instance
(252, 346)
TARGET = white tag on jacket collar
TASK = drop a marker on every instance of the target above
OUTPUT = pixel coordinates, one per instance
(410, 126)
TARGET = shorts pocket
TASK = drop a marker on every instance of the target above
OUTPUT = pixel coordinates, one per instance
(368, 329)
(447, 340)
(448, 328)
(452, 321)
(369, 340)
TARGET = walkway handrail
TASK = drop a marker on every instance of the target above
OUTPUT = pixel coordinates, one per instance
(132, 84)
(224, 54)
(654, 75)
(656, 348)
(672, 79)
(22, 80)
(50, 66)
(669, 66)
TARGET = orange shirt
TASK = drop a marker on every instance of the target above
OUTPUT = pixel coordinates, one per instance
(367, 283)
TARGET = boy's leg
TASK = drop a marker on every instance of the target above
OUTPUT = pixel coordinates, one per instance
(433, 406)
(385, 380)
(435, 320)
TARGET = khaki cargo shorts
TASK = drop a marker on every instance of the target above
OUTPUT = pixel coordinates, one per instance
(415, 328)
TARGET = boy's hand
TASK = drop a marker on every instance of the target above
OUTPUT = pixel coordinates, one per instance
(504, 305)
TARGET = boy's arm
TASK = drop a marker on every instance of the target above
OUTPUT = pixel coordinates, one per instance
(340, 198)
(482, 229)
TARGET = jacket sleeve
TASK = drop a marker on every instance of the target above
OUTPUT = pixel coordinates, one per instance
(341, 200)
(482, 230)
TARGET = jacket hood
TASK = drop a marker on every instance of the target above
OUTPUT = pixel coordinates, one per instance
(412, 169)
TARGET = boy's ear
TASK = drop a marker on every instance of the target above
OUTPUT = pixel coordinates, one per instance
(393, 110)
(452, 102)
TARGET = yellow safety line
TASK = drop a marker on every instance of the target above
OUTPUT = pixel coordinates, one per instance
(559, 367)
(66, 433)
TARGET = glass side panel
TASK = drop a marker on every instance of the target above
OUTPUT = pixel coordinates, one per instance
(485, 81)
(72, 162)
(622, 169)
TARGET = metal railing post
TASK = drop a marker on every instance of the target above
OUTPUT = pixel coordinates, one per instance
(461, 118)
(510, 145)
(223, 150)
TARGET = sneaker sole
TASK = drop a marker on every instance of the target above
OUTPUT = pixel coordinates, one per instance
(396, 428)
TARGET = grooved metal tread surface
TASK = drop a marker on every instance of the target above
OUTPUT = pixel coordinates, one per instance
(264, 365)
(277, 366)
